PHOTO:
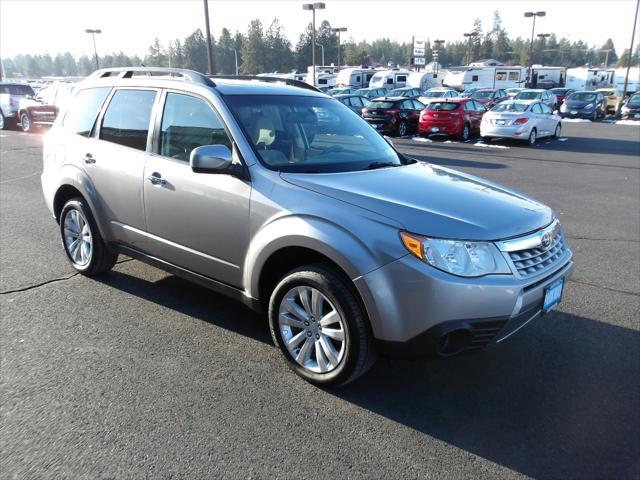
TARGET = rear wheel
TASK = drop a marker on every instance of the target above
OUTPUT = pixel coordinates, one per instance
(464, 136)
(3, 122)
(402, 129)
(594, 117)
(533, 136)
(83, 244)
(25, 122)
(319, 326)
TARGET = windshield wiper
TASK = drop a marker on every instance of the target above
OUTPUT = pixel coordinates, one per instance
(374, 165)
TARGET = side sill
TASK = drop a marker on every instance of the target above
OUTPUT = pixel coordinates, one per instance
(202, 280)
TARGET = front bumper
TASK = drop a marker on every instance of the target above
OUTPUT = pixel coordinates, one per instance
(410, 304)
(578, 113)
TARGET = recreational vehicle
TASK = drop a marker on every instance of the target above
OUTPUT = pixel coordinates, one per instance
(548, 77)
(633, 83)
(588, 78)
(326, 76)
(355, 77)
(389, 79)
(301, 77)
(463, 78)
(426, 79)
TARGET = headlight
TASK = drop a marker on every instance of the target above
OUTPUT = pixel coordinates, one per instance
(589, 106)
(459, 257)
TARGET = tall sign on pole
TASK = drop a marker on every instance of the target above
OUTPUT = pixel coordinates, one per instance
(419, 51)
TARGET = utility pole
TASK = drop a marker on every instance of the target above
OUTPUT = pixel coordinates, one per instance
(313, 7)
(533, 28)
(338, 30)
(95, 50)
(633, 37)
(208, 32)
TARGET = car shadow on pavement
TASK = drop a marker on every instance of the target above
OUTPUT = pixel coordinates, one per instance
(559, 400)
(193, 300)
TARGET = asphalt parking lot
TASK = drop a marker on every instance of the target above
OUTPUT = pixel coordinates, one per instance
(141, 374)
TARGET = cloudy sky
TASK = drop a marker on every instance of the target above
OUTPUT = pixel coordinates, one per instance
(29, 26)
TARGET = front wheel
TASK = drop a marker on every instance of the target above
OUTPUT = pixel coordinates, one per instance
(558, 131)
(533, 136)
(83, 244)
(25, 122)
(594, 117)
(320, 327)
(3, 121)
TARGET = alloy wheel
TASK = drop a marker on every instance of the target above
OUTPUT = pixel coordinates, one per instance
(533, 136)
(312, 330)
(26, 123)
(78, 240)
(402, 129)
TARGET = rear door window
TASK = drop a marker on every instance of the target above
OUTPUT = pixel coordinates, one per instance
(84, 109)
(126, 121)
(189, 122)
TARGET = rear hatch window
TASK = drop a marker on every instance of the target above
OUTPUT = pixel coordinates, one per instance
(442, 106)
(380, 105)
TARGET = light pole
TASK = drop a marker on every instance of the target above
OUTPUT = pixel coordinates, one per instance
(534, 15)
(338, 30)
(313, 7)
(208, 32)
(322, 47)
(626, 76)
(95, 50)
(470, 35)
(435, 53)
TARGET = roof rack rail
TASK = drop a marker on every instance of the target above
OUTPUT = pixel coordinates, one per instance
(178, 73)
(287, 81)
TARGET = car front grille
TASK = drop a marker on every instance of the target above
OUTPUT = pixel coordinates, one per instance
(533, 261)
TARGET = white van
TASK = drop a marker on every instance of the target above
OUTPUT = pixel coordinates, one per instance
(464, 78)
(355, 77)
(389, 79)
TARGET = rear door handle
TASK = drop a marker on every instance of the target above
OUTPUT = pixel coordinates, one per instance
(156, 179)
(88, 158)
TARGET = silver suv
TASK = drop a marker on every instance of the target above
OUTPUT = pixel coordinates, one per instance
(277, 195)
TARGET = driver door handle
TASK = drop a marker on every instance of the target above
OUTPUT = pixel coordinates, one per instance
(156, 179)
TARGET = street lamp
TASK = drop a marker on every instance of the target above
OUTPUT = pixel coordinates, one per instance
(208, 32)
(470, 35)
(322, 47)
(95, 50)
(313, 7)
(534, 15)
(338, 30)
(435, 53)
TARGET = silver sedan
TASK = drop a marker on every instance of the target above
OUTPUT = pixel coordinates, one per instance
(520, 119)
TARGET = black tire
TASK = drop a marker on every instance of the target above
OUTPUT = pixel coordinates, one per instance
(594, 118)
(466, 132)
(25, 122)
(359, 352)
(3, 121)
(102, 258)
(533, 136)
(403, 129)
(558, 131)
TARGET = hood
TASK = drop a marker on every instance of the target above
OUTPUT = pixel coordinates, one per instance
(433, 201)
(578, 103)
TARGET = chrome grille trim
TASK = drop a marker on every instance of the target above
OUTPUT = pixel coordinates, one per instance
(537, 253)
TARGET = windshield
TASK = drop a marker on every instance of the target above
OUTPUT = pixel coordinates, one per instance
(397, 93)
(510, 107)
(528, 95)
(583, 96)
(309, 134)
(16, 89)
(442, 106)
(433, 94)
(482, 94)
(635, 99)
(376, 78)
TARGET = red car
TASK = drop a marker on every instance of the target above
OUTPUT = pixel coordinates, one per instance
(393, 116)
(489, 97)
(459, 117)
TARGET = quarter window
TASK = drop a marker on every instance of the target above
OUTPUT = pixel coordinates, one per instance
(126, 121)
(189, 122)
(84, 110)
(514, 76)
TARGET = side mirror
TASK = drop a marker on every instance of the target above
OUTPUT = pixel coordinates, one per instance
(210, 159)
